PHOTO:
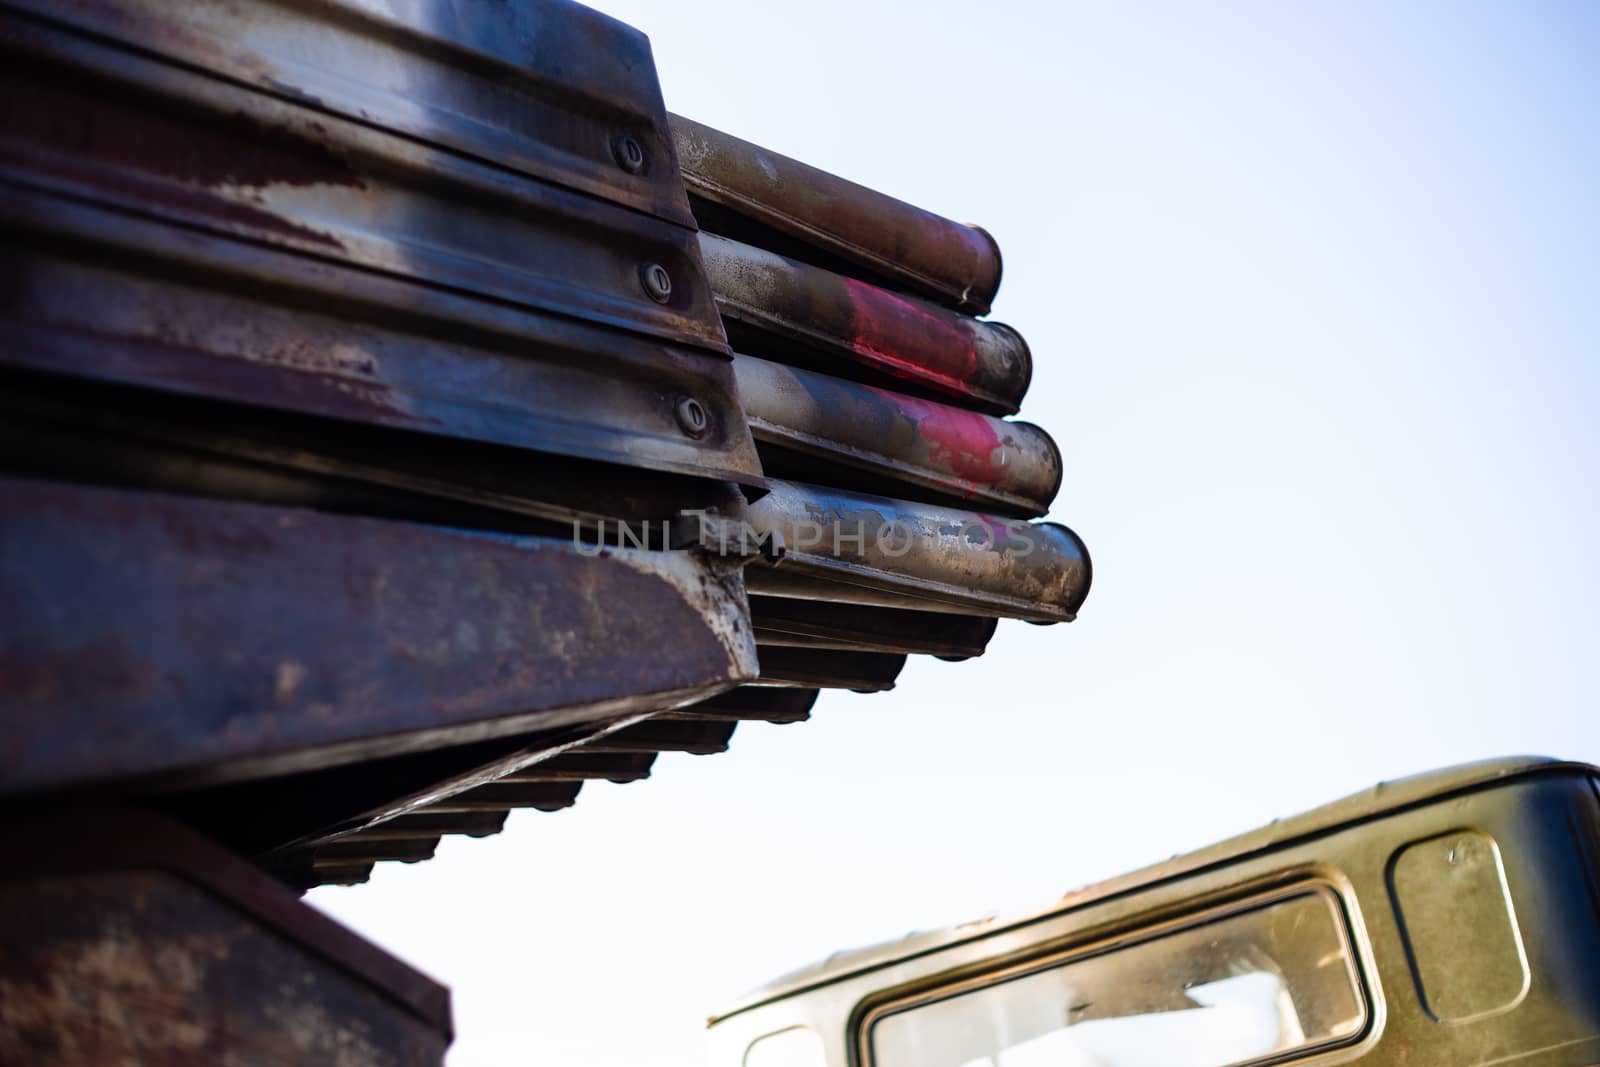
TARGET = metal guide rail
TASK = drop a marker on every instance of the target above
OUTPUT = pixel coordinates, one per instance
(736, 185)
(384, 378)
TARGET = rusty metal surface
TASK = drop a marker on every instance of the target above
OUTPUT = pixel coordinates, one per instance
(172, 230)
(914, 444)
(949, 558)
(396, 260)
(132, 133)
(608, 397)
(1511, 843)
(126, 939)
(953, 264)
(58, 428)
(981, 364)
(166, 640)
(542, 88)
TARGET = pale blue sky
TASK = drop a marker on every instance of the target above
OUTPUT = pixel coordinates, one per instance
(1313, 292)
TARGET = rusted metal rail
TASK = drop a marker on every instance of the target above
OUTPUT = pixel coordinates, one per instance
(775, 305)
(799, 210)
(941, 557)
(841, 433)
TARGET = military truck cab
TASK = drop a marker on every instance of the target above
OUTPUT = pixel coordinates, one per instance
(1447, 920)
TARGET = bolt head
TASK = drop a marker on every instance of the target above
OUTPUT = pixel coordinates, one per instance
(692, 417)
(628, 153)
(656, 281)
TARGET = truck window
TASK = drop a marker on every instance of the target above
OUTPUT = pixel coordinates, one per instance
(1277, 978)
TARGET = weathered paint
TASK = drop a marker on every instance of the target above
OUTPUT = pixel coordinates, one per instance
(393, 238)
(607, 397)
(135, 134)
(956, 265)
(956, 453)
(920, 555)
(125, 939)
(540, 87)
(211, 640)
(176, 229)
(979, 363)
(1541, 818)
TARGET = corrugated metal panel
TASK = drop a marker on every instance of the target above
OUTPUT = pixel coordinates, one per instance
(543, 88)
(54, 427)
(180, 213)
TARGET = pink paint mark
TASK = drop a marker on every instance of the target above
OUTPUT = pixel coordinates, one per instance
(964, 443)
(910, 338)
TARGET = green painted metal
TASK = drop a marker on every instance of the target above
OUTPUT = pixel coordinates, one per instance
(1470, 898)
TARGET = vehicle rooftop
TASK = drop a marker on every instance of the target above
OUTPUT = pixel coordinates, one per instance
(1385, 798)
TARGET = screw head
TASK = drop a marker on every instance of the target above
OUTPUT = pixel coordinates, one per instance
(692, 417)
(628, 153)
(656, 281)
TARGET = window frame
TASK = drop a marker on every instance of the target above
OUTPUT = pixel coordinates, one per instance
(1129, 935)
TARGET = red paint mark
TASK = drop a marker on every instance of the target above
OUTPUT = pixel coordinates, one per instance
(911, 338)
(964, 443)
